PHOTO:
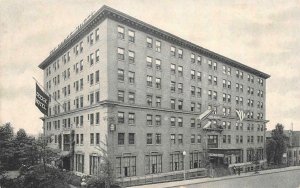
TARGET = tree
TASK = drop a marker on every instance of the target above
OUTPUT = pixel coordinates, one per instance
(105, 177)
(45, 153)
(270, 150)
(277, 145)
(6, 146)
(24, 149)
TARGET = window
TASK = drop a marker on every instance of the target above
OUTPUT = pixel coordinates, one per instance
(121, 32)
(149, 61)
(193, 91)
(228, 139)
(153, 164)
(91, 59)
(173, 51)
(199, 107)
(79, 163)
(149, 42)
(193, 123)
(215, 95)
(173, 139)
(121, 54)
(81, 139)
(158, 64)
(179, 121)
(97, 34)
(149, 138)
(173, 121)
(94, 165)
(131, 56)
(192, 58)
(131, 137)
(172, 103)
(176, 161)
(149, 119)
(215, 80)
(209, 64)
(210, 79)
(81, 65)
(157, 46)
(209, 94)
(91, 119)
(92, 79)
(158, 83)
(149, 81)
(180, 71)
(97, 78)
(158, 120)
(192, 139)
(121, 96)
(173, 67)
(131, 36)
(180, 104)
(180, 88)
(149, 100)
(131, 118)
(81, 46)
(192, 74)
(172, 86)
(97, 56)
(199, 76)
(92, 138)
(158, 138)
(180, 138)
(131, 97)
(215, 66)
(228, 71)
(97, 118)
(198, 138)
(158, 101)
(126, 166)
(120, 117)
(180, 53)
(199, 59)
(131, 77)
(121, 138)
(229, 84)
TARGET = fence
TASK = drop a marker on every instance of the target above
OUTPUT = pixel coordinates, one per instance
(163, 177)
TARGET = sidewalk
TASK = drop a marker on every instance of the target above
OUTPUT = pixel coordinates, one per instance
(204, 180)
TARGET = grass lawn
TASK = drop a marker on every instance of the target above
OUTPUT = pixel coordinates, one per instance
(12, 174)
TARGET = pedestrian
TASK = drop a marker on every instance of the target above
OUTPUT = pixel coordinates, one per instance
(239, 171)
(234, 170)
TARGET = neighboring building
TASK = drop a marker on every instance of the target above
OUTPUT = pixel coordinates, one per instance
(292, 156)
(137, 91)
(293, 153)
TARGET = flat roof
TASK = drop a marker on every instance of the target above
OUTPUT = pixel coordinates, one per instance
(108, 12)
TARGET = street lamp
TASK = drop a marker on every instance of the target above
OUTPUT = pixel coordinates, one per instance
(184, 154)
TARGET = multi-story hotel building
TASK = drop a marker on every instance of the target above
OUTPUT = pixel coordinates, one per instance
(137, 91)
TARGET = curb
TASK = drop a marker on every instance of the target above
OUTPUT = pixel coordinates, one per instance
(232, 177)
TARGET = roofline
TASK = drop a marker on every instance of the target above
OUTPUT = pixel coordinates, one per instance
(108, 12)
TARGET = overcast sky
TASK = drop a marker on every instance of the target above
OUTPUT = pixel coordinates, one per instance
(261, 34)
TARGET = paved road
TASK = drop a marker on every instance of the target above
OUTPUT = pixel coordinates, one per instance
(286, 179)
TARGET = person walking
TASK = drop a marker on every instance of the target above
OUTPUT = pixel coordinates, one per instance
(239, 171)
(234, 170)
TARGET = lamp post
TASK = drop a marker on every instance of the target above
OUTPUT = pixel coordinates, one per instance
(184, 154)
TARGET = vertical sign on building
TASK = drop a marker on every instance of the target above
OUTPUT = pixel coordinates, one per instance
(41, 100)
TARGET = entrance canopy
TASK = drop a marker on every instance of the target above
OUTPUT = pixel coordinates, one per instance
(221, 152)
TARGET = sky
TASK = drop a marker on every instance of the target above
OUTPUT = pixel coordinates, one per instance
(261, 34)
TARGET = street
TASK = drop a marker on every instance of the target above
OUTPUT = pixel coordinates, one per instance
(286, 179)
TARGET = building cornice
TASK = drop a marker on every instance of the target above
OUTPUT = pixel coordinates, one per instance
(107, 12)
